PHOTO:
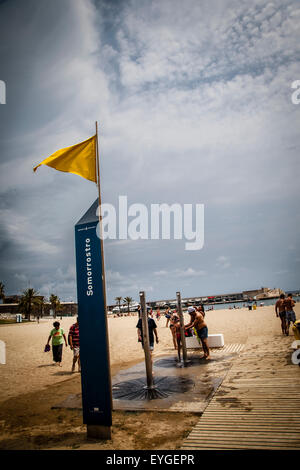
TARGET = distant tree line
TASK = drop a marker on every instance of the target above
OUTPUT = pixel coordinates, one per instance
(32, 303)
(127, 300)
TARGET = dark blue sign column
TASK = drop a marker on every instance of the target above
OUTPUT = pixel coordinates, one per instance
(94, 353)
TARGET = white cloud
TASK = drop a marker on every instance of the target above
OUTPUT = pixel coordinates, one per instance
(160, 273)
(19, 230)
(189, 272)
(194, 104)
(223, 262)
(21, 277)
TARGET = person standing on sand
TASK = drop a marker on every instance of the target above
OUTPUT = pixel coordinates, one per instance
(201, 310)
(197, 322)
(168, 316)
(280, 312)
(178, 337)
(289, 304)
(173, 320)
(139, 311)
(152, 328)
(74, 344)
(57, 335)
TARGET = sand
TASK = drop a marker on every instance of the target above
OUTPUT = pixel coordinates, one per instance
(29, 369)
(30, 377)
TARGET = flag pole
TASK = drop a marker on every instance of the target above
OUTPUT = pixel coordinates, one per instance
(100, 214)
(102, 431)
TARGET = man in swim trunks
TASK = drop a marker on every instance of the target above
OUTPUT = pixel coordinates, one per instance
(280, 312)
(197, 322)
(289, 304)
(201, 310)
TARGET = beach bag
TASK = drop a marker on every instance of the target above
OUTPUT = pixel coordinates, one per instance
(47, 348)
(188, 333)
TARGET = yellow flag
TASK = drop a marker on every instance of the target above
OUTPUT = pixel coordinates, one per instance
(79, 159)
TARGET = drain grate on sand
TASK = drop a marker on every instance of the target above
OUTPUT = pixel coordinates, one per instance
(228, 348)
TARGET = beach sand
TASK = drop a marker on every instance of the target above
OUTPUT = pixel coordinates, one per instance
(30, 384)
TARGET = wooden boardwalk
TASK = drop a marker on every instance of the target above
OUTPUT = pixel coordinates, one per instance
(258, 404)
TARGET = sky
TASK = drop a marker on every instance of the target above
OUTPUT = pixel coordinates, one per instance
(194, 105)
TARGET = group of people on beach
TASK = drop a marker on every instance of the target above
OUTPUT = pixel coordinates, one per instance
(196, 323)
(284, 309)
(197, 314)
(58, 337)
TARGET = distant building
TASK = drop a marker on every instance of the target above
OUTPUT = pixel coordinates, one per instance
(263, 293)
(11, 305)
(12, 299)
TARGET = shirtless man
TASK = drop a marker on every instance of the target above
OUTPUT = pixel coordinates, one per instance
(280, 312)
(201, 310)
(197, 322)
(289, 304)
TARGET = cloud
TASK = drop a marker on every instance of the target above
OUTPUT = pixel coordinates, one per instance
(194, 105)
(223, 262)
(20, 232)
(181, 273)
(21, 277)
(160, 273)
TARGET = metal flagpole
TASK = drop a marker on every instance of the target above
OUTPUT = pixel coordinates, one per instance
(100, 213)
(100, 222)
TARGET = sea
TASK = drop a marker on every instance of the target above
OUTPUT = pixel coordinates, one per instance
(243, 304)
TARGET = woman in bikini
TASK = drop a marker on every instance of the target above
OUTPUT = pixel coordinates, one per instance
(173, 320)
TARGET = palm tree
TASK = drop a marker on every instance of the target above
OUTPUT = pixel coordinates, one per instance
(55, 304)
(28, 300)
(2, 295)
(128, 300)
(41, 307)
(119, 300)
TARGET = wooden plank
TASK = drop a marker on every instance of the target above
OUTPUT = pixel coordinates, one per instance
(262, 436)
(261, 440)
(254, 411)
(237, 447)
(272, 420)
